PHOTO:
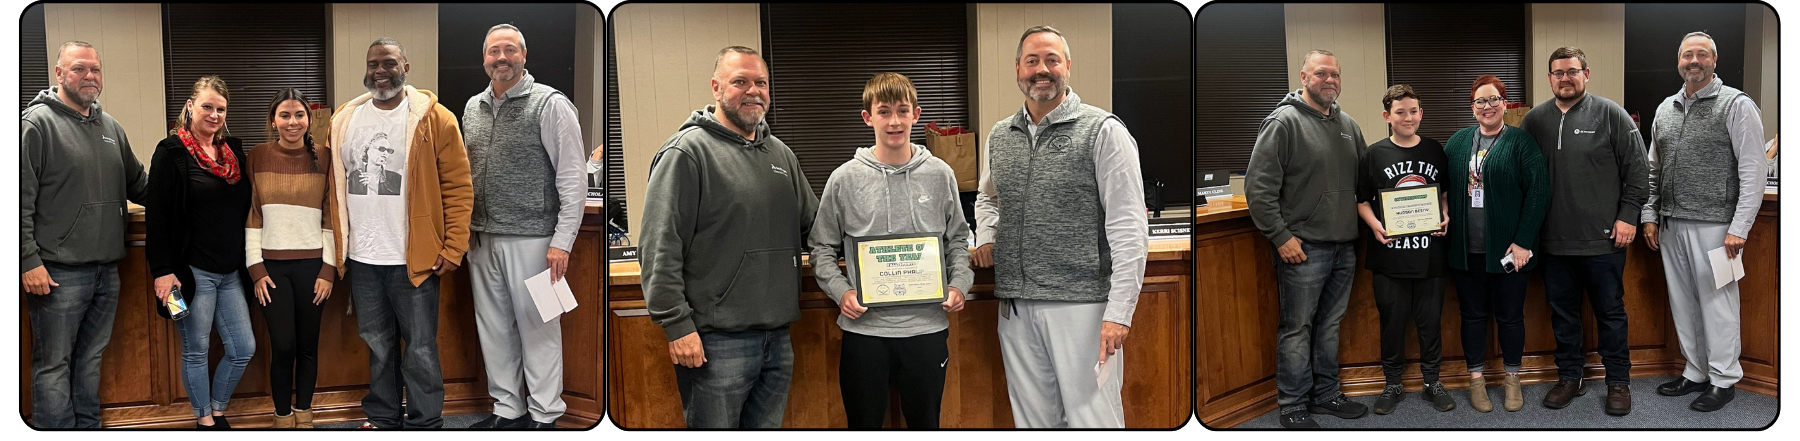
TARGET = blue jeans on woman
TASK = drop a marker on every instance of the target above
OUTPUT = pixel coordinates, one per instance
(218, 300)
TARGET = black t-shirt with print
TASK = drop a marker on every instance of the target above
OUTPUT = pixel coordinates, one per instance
(1385, 165)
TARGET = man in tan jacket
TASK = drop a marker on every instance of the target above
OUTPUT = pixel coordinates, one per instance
(401, 236)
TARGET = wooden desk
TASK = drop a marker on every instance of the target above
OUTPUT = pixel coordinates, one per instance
(1157, 356)
(1237, 318)
(141, 368)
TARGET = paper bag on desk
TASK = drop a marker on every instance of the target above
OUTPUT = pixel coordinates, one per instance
(956, 146)
(552, 299)
(1724, 270)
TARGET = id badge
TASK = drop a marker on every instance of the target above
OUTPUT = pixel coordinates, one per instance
(1475, 199)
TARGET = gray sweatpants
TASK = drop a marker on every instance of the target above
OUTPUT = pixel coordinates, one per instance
(1706, 319)
(522, 352)
(1050, 350)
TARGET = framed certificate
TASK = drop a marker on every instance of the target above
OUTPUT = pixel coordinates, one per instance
(897, 269)
(1410, 211)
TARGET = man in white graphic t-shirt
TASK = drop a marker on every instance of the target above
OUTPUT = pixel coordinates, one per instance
(406, 202)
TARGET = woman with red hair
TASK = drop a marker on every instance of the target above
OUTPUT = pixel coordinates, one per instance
(1499, 191)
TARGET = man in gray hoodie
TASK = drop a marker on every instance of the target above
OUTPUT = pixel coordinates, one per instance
(726, 214)
(1301, 187)
(1598, 185)
(76, 170)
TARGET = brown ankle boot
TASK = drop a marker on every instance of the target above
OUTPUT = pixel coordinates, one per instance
(303, 418)
(1515, 398)
(1478, 397)
(284, 422)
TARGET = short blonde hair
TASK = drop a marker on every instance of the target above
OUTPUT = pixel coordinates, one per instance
(889, 87)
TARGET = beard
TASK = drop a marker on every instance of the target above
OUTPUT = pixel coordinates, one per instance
(1693, 77)
(82, 97)
(1325, 95)
(746, 121)
(511, 74)
(1576, 89)
(1057, 84)
(396, 84)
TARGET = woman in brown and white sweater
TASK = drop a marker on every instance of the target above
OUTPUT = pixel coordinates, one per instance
(289, 243)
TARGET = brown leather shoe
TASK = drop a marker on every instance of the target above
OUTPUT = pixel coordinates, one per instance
(1515, 395)
(283, 422)
(303, 418)
(1478, 397)
(1565, 391)
(1618, 400)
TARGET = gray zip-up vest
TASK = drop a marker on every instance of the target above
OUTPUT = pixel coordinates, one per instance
(1698, 177)
(1051, 241)
(515, 188)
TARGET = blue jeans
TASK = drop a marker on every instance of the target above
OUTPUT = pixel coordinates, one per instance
(1314, 295)
(744, 383)
(218, 301)
(70, 327)
(1602, 280)
(390, 309)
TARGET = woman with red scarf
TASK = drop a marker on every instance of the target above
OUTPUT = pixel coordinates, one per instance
(199, 198)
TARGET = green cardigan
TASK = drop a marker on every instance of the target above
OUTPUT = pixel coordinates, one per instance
(1517, 190)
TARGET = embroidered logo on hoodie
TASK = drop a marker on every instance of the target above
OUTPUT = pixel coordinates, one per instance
(109, 140)
(1579, 131)
(778, 170)
(1345, 135)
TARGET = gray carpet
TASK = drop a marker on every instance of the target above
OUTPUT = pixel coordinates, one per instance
(1648, 411)
(450, 422)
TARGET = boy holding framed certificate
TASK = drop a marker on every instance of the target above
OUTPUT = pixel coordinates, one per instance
(1397, 186)
(892, 216)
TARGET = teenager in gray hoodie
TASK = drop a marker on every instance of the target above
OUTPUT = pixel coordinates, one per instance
(893, 187)
(1301, 186)
(76, 171)
(726, 214)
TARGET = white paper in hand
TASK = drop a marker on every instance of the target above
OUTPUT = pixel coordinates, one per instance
(1724, 270)
(552, 299)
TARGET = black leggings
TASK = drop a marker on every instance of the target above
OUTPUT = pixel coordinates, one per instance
(867, 365)
(1500, 297)
(293, 323)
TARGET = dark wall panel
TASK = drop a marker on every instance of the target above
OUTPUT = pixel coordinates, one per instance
(1152, 91)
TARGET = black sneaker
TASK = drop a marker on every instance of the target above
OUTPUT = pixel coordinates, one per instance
(1340, 407)
(1439, 398)
(1390, 397)
(495, 422)
(1298, 420)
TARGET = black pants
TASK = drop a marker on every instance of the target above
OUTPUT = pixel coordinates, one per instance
(1420, 301)
(869, 364)
(1483, 296)
(1601, 279)
(293, 322)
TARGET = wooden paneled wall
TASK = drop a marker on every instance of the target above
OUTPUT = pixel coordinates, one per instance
(1157, 358)
(1238, 314)
(141, 377)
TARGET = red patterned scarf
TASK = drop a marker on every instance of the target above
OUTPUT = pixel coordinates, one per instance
(226, 167)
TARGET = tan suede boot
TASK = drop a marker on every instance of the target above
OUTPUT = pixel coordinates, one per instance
(1515, 397)
(284, 422)
(1478, 397)
(303, 418)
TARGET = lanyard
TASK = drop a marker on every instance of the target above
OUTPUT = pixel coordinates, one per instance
(1478, 159)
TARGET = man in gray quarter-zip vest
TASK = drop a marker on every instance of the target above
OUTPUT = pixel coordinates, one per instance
(526, 160)
(726, 213)
(1598, 185)
(76, 171)
(1706, 149)
(1301, 186)
(1069, 254)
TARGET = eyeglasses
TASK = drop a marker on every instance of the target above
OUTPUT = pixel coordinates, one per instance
(1492, 100)
(1559, 74)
